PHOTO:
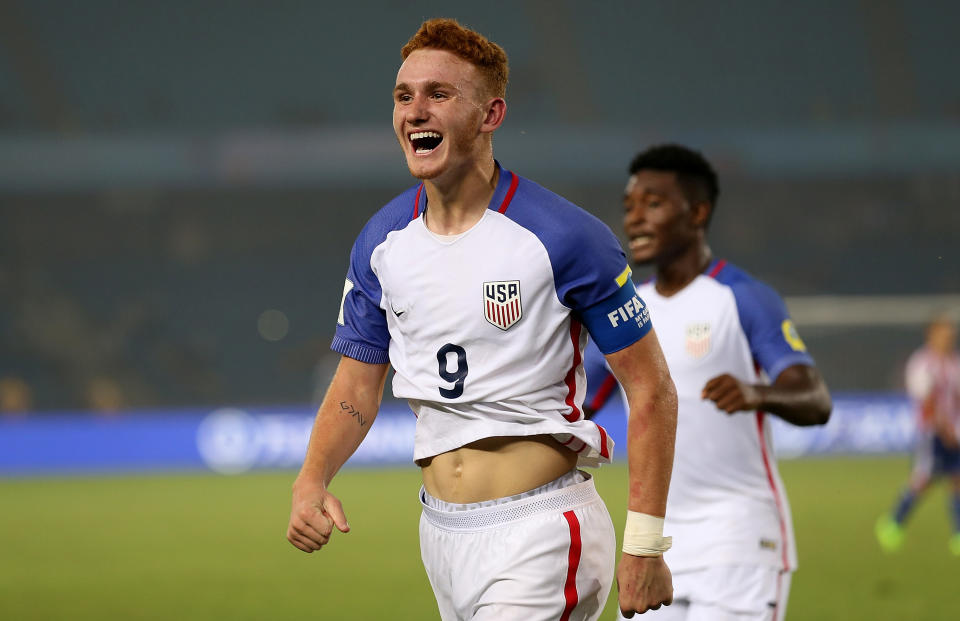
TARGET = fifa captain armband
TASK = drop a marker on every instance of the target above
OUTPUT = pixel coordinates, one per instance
(618, 321)
(643, 535)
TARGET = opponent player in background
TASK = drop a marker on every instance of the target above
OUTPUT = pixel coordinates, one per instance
(933, 382)
(476, 286)
(735, 358)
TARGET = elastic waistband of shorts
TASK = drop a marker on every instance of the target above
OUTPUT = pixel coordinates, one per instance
(559, 500)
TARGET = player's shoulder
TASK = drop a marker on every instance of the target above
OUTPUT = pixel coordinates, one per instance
(395, 215)
(730, 274)
(747, 288)
(764, 319)
(919, 358)
(585, 256)
(554, 219)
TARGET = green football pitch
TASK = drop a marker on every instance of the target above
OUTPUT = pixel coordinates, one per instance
(199, 546)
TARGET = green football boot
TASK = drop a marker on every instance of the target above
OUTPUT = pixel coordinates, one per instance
(954, 544)
(890, 534)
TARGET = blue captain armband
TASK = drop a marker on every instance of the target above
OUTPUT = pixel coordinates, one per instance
(618, 321)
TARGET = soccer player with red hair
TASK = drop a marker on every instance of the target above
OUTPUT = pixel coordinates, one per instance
(479, 288)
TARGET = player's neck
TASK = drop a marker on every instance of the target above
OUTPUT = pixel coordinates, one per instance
(674, 274)
(458, 199)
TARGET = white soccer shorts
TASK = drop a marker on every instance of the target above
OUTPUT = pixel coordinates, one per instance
(727, 593)
(547, 554)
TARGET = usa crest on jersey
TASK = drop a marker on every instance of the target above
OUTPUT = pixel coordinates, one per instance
(698, 339)
(501, 303)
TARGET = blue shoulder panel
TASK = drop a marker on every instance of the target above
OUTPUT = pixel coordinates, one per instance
(585, 255)
(773, 339)
(590, 271)
(362, 326)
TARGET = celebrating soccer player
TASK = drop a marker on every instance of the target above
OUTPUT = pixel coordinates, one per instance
(933, 382)
(479, 287)
(735, 357)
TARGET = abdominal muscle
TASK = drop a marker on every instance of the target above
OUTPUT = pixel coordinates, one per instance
(495, 467)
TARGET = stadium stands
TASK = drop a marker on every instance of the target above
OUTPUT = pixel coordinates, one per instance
(168, 173)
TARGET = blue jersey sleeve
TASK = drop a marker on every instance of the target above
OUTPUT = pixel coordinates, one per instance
(618, 321)
(362, 331)
(590, 270)
(774, 342)
(588, 263)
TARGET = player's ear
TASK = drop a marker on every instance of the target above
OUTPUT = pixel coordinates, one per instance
(701, 213)
(495, 111)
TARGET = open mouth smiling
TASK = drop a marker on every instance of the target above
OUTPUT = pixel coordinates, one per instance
(425, 142)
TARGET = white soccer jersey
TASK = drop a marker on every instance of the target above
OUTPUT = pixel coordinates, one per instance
(484, 330)
(934, 380)
(726, 503)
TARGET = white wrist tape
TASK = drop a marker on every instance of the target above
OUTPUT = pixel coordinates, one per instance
(643, 535)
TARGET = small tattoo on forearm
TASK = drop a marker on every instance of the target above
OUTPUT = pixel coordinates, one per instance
(349, 409)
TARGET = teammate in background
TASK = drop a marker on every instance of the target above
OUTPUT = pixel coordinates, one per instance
(933, 382)
(475, 285)
(735, 357)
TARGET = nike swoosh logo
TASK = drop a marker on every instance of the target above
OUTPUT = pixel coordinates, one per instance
(395, 311)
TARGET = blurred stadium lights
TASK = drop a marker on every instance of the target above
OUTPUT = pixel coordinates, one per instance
(273, 325)
(368, 154)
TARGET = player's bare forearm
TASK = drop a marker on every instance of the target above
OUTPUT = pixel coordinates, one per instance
(344, 418)
(651, 432)
(652, 423)
(799, 395)
(644, 583)
(342, 422)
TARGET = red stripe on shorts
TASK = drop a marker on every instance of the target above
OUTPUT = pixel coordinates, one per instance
(776, 605)
(573, 562)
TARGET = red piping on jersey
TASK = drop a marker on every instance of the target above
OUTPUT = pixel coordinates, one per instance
(416, 203)
(583, 444)
(722, 263)
(603, 393)
(573, 563)
(571, 379)
(773, 488)
(514, 181)
(603, 442)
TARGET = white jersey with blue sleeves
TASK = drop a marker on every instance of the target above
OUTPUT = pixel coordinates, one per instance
(485, 331)
(726, 504)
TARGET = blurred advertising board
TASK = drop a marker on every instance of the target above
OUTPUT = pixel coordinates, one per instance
(234, 440)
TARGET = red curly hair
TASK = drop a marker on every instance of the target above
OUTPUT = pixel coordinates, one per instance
(446, 34)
